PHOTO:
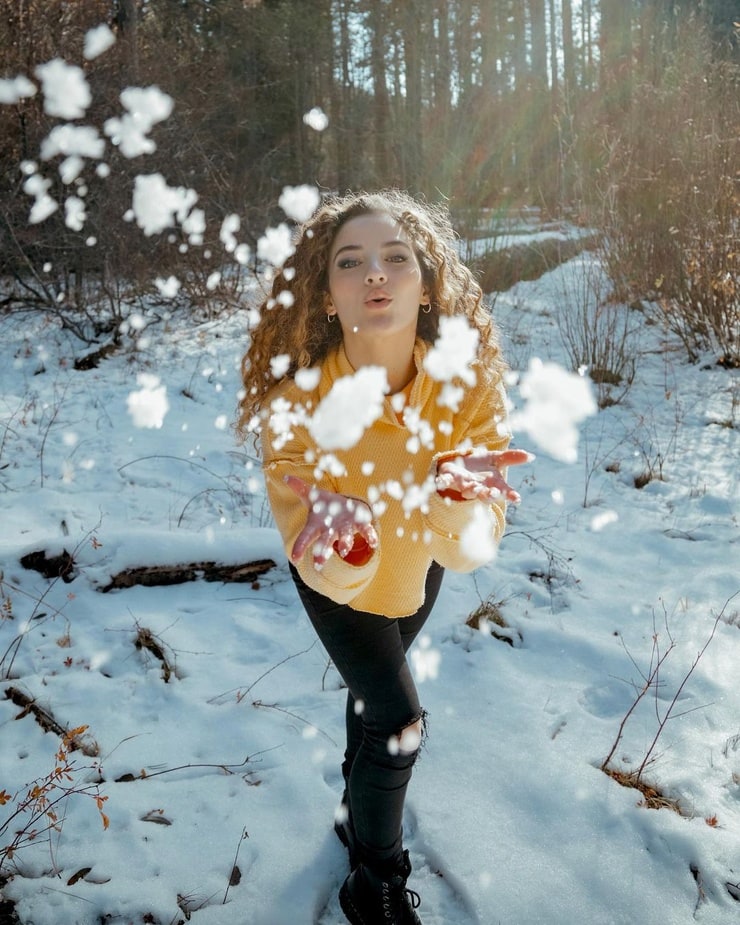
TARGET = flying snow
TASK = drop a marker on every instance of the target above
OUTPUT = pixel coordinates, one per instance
(79, 140)
(97, 41)
(353, 404)
(74, 213)
(453, 351)
(149, 405)
(307, 379)
(38, 187)
(316, 119)
(556, 401)
(168, 288)
(14, 89)
(146, 106)
(157, 206)
(66, 92)
(299, 202)
(477, 539)
(275, 245)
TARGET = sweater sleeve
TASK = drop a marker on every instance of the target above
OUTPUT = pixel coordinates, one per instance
(480, 424)
(338, 580)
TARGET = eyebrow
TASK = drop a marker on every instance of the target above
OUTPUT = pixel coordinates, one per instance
(358, 247)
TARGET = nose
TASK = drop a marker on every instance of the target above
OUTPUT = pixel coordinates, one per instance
(375, 275)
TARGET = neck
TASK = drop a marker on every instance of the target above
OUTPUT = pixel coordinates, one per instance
(398, 362)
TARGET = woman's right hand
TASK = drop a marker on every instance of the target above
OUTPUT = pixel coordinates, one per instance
(333, 523)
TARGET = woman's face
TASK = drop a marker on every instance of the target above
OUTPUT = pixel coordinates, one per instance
(375, 279)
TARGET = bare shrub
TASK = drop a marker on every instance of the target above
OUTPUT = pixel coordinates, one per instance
(597, 332)
(669, 196)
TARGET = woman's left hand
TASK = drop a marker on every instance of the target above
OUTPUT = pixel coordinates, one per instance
(477, 475)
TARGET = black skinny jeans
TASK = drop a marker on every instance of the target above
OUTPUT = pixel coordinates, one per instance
(369, 652)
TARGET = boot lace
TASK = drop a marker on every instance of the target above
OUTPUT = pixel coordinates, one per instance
(397, 898)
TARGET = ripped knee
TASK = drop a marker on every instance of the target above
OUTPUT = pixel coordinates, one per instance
(409, 740)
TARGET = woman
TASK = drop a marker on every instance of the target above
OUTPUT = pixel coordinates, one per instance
(372, 514)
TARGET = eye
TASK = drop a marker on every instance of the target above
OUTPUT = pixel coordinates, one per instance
(348, 263)
(397, 258)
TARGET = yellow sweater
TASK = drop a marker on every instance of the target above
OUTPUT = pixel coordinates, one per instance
(392, 468)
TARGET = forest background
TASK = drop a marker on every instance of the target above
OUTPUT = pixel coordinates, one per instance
(622, 116)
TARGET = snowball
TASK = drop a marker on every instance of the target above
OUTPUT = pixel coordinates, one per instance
(149, 405)
(299, 202)
(556, 402)
(158, 206)
(80, 140)
(14, 89)
(454, 351)
(316, 119)
(66, 92)
(275, 245)
(353, 404)
(97, 41)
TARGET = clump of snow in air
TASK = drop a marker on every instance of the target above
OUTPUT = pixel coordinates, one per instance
(425, 660)
(279, 365)
(275, 245)
(477, 538)
(38, 187)
(74, 213)
(227, 235)
(316, 119)
(66, 92)
(80, 140)
(146, 106)
(168, 288)
(453, 351)
(149, 405)
(299, 202)
(307, 379)
(98, 41)
(158, 206)
(604, 519)
(15, 89)
(353, 404)
(556, 401)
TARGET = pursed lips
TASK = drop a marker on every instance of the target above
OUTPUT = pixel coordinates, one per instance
(378, 298)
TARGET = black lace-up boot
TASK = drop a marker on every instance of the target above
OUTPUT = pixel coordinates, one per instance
(380, 896)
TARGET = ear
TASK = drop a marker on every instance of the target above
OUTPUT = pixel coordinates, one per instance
(425, 297)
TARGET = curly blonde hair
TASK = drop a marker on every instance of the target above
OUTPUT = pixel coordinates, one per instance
(293, 318)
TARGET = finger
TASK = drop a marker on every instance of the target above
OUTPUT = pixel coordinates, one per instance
(512, 458)
(346, 540)
(321, 554)
(301, 488)
(310, 534)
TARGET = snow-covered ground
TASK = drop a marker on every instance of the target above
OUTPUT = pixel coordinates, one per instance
(232, 764)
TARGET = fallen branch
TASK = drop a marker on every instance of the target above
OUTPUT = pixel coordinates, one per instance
(48, 723)
(151, 575)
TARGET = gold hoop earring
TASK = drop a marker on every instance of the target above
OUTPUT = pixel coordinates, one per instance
(330, 317)
(427, 308)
